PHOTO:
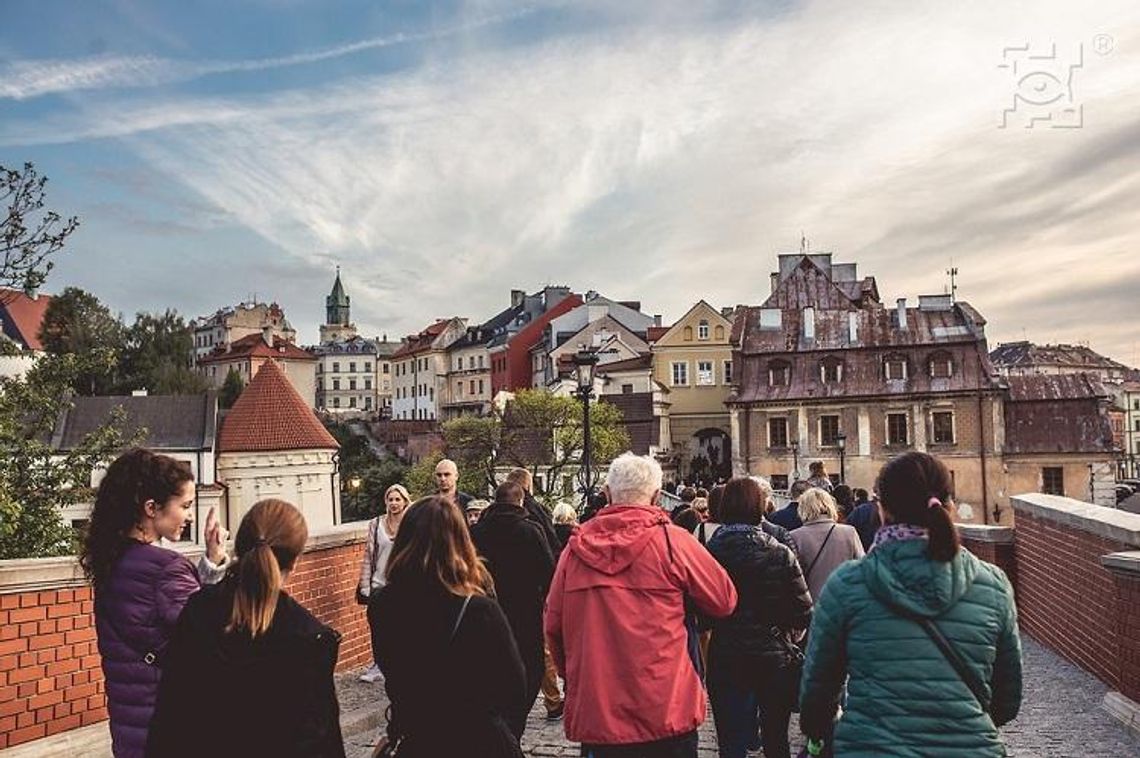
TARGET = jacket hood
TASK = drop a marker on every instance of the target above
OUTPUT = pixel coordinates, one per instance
(900, 574)
(611, 541)
(502, 511)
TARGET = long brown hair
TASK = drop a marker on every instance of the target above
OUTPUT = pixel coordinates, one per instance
(433, 543)
(270, 539)
(916, 488)
(131, 480)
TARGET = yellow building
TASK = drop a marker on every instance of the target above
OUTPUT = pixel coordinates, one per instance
(693, 358)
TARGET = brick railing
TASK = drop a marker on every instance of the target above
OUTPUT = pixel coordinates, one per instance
(1076, 573)
(50, 675)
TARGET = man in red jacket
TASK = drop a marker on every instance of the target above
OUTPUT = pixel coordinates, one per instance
(615, 622)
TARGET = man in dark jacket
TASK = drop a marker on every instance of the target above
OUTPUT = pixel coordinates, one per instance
(788, 516)
(447, 483)
(522, 566)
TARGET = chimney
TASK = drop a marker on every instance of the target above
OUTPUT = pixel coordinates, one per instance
(902, 313)
(517, 298)
(267, 335)
(657, 319)
(775, 280)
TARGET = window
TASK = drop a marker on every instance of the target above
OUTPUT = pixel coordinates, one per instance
(777, 432)
(352, 367)
(336, 402)
(336, 384)
(898, 429)
(368, 383)
(941, 366)
(680, 374)
(705, 374)
(728, 372)
(367, 366)
(336, 367)
(431, 393)
(703, 330)
(480, 361)
(688, 332)
(770, 318)
(895, 368)
(942, 426)
(718, 333)
(779, 481)
(779, 374)
(627, 389)
(1053, 480)
(1136, 425)
(384, 369)
(480, 386)
(831, 371)
(459, 364)
(352, 384)
(352, 402)
(828, 431)
(472, 386)
(367, 403)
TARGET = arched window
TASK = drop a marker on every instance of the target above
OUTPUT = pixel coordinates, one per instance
(718, 332)
(688, 334)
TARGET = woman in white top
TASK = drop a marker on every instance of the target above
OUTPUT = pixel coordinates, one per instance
(381, 536)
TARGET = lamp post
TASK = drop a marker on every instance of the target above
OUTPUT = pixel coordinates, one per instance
(795, 462)
(841, 443)
(585, 362)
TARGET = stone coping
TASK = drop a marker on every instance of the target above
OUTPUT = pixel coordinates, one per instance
(1127, 562)
(34, 574)
(999, 535)
(1110, 523)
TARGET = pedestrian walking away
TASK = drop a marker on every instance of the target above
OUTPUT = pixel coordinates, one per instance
(821, 543)
(260, 663)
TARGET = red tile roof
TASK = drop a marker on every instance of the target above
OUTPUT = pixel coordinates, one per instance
(254, 346)
(270, 415)
(416, 343)
(23, 316)
(654, 333)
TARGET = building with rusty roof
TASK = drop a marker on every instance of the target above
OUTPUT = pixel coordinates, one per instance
(246, 355)
(825, 371)
(216, 332)
(1029, 359)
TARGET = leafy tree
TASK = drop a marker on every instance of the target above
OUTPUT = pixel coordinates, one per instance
(420, 478)
(77, 323)
(538, 431)
(364, 476)
(231, 389)
(36, 482)
(156, 356)
(29, 235)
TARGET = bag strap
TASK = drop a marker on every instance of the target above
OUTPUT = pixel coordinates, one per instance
(375, 550)
(952, 656)
(459, 619)
(818, 554)
(701, 533)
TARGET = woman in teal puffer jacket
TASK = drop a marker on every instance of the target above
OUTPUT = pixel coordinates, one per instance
(904, 697)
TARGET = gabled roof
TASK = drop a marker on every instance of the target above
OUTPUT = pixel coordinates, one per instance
(1042, 388)
(269, 415)
(416, 343)
(699, 305)
(22, 316)
(1025, 353)
(254, 346)
(654, 333)
(171, 422)
(641, 362)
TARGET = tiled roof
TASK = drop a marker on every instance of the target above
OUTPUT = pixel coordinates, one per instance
(1041, 388)
(1057, 414)
(416, 343)
(172, 422)
(254, 346)
(23, 316)
(654, 333)
(1028, 354)
(270, 415)
(644, 361)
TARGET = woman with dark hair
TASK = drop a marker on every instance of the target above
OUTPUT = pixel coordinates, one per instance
(261, 663)
(752, 659)
(924, 633)
(143, 503)
(443, 643)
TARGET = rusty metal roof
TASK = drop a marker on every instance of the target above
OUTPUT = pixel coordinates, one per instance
(1041, 388)
(1057, 414)
(1025, 353)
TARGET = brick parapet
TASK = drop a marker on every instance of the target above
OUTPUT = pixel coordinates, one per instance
(51, 679)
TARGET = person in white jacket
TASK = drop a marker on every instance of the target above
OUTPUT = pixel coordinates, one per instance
(377, 548)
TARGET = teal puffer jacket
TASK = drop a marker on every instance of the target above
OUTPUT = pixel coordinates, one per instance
(903, 696)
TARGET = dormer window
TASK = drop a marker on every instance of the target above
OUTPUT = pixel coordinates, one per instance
(779, 374)
(894, 368)
(831, 371)
(941, 366)
(703, 330)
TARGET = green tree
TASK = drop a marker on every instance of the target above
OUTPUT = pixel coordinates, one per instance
(231, 389)
(364, 476)
(29, 235)
(77, 323)
(36, 482)
(420, 478)
(157, 354)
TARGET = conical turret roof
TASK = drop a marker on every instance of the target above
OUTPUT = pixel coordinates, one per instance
(270, 415)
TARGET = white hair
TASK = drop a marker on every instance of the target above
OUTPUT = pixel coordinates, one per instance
(816, 503)
(633, 479)
(564, 513)
(768, 504)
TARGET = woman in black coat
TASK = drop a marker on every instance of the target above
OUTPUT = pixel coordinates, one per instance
(250, 658)
(451, 667)
(752, 658)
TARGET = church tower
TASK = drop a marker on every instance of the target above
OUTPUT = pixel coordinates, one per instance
(338, 324)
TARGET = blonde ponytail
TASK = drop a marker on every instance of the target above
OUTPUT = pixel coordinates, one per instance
(270, 539)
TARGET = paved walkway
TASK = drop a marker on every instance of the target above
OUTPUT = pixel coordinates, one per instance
(1061, 717)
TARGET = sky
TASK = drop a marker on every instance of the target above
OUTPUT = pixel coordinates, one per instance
(444, 153)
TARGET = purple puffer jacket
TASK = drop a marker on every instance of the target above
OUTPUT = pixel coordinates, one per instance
(135, 614)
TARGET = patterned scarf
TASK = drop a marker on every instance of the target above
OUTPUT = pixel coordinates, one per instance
(897, 532)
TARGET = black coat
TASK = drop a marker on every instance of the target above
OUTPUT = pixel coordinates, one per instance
(772, 594)
(522, 566)
(536, 513)
(449, 696)
(270, 696)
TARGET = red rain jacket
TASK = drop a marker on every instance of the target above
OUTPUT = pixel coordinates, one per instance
(614, 624)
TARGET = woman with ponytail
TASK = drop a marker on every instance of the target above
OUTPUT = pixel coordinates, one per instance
(144, 502)
(924, 633)
(248, 653)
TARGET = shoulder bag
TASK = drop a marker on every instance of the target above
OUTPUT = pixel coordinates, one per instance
(952, 656)
(362, 597)
(389, 747)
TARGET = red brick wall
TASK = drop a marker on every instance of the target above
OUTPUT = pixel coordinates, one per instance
(1066, 599)
(50, 674)
(1127, 629)
(997, 553)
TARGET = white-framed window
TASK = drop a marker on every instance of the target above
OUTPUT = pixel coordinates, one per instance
(942, 427)
(828, 430)
(941, 366)
(898, 429)
(777, 432)
(705, 375)
(831, 371)
(779, 374)
(894, 368)
(703, 330)
(727, 372)
(680, 373)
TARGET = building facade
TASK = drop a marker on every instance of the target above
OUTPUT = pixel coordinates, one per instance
(247, 355)
(348, 377)
(420, 370)
(1028, 359)
(215, 333)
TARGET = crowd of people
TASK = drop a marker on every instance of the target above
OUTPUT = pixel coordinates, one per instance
(862, 614)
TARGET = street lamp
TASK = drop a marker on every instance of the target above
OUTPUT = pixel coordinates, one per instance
(841, 443)
(585, 362)
(795, 461)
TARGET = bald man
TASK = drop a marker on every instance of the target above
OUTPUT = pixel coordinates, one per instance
(447, 483)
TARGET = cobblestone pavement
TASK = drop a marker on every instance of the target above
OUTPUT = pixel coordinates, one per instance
(1061, 717)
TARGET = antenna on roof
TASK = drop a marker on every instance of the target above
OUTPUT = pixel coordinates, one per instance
(803, 243)
(953, 273)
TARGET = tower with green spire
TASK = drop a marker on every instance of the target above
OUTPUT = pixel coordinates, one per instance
(338, 323)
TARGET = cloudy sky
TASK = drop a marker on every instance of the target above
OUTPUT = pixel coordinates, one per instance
(444, 153)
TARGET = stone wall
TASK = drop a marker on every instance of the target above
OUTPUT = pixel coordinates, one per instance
(50, 674)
